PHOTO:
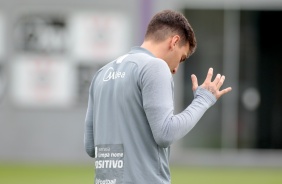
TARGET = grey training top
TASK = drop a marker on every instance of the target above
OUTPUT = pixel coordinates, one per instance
(130, 124)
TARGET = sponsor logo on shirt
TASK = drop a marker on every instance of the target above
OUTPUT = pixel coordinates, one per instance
(109, 159)
(98, 181)
(111, 74)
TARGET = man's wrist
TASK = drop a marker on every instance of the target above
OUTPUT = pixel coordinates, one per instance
(207, 95)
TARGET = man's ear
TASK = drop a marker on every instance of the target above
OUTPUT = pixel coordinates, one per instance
(175, 40)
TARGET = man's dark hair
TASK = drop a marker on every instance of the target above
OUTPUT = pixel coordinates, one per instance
(167, 23)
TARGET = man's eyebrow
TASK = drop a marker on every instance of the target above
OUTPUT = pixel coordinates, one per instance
(183, 59)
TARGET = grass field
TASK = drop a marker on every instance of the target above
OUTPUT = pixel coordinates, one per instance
(39, 174)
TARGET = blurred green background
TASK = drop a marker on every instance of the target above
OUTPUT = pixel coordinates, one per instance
(76, 174)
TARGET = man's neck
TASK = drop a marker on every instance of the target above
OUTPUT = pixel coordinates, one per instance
(157, 49)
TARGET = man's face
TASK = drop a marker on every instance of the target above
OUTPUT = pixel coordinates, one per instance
(178, 55)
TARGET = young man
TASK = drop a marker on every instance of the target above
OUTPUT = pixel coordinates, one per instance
(130, 124)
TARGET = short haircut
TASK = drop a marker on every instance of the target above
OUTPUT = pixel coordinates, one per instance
(169, 22)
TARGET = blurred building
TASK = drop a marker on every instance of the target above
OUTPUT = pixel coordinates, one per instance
(49, 51)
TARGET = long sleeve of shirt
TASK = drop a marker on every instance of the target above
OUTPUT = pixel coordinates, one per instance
(157, 91)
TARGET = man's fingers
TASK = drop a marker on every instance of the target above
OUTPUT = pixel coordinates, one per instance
(194, 82)
(224, 91)
(212, 86)
(209, 75)
(220, 82)
(217, 79)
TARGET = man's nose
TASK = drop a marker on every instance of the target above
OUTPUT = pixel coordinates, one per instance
(174, 71)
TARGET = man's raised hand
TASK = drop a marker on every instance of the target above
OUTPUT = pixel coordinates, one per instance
(212, 86)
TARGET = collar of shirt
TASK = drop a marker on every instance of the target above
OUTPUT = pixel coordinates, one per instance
(138, 49)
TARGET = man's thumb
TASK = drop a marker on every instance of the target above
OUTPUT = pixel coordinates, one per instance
(194, 82)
